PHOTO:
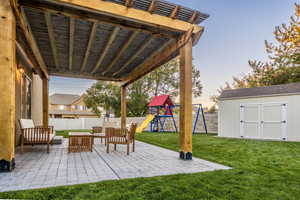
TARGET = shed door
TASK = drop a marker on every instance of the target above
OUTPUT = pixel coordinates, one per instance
(263, 121)
(250, 121)
(273, 123)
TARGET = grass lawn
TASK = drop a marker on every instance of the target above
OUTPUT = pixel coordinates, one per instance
(261, 170)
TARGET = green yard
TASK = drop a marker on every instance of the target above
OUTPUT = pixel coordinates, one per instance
(261, 170)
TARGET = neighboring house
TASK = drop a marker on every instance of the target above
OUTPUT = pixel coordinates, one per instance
(261, 113)
(69, 106)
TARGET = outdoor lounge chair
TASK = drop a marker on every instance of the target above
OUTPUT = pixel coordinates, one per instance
(35, 135)
(118, 136)
(99, 131)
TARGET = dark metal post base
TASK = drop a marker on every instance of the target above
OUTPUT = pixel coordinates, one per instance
(185, 155)
(7, 166)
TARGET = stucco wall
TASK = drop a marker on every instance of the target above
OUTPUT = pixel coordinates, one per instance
(37, 100)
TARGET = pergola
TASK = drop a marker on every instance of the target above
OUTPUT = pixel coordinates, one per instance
(113, 40)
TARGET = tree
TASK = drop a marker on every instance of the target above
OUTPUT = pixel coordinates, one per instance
(164, 80)
(103, 94)
(284, 64)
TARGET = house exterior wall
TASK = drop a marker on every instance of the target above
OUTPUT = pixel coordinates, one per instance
(23, 72)
(229, 115)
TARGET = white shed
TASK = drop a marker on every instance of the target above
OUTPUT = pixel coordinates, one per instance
(261, 113)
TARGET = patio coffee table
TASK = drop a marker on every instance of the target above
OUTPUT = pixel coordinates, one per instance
(80, 142)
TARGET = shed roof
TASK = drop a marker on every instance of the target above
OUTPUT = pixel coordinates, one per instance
(285, 89)
(160, 101)
(63, 99)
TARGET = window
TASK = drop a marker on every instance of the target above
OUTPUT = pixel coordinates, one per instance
(26, 84)
(61, 107)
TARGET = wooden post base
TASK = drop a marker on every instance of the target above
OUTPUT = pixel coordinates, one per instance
(185, 155)
(7, 166)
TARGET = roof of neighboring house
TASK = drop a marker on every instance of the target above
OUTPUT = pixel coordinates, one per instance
(63, 99)
(275, 90)
(160, 101)
(67, 112)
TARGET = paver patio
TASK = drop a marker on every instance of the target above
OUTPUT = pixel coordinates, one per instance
(37, 169)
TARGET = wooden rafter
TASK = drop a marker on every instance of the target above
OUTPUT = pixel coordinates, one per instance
(131, 14)
(25, 26)
(134, 75)
(106, 48)
(51, 38)
(88, 48)
(72, 13)
(193, 17)
(122, 50)
(129, 3)
(134, 56)
(158, 57)
(152, 6)
(27, 59)
(71, 42)
(83, 75)
(175, 12)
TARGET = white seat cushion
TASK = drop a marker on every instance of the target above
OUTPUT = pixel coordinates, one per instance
(26, 123)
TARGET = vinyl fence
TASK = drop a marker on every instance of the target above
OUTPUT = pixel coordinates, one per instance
(88, 123)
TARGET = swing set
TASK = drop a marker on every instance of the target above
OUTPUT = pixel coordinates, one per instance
(161, 115)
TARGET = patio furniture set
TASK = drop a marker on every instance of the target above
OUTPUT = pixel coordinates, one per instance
(78, 141)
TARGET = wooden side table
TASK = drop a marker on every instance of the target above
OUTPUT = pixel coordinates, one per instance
(80, 142)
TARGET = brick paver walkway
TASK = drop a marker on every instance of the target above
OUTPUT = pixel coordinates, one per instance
(37, 169)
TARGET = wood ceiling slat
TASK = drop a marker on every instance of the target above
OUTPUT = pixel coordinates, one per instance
(71, 42)
(141, 49)
(120, 53)
(107, 46)
(52, 38)
(88, 49)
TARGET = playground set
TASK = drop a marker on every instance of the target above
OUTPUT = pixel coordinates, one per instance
(161, 115)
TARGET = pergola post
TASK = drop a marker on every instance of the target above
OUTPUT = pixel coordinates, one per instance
(7, 86)
(123, 107)
(45, 101)
(186, 101)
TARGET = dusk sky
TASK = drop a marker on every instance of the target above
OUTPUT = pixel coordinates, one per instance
(234, 33)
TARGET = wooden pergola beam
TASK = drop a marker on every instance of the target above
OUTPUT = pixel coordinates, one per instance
(152, 6)
(120, 53)
(8, 68)
(85, 76)
(45, 100)
(106, 48)
(128, 3)
(123, 12)
(134, 56)
(71, 42)
(77, 14)
(193, 17)
(175, 12)
(158, 57)
(25, 26)
(123, 107)
(185, 116)
(89, 46)
(52, 38)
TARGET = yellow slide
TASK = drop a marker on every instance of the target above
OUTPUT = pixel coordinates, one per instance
(145, 123)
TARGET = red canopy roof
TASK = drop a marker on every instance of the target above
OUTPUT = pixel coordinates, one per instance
(161, 101)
